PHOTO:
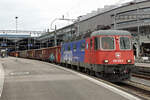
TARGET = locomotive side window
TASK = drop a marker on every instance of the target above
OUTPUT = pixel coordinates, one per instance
(125, 43)
(91, 43)
(59, 51)
(74, 47)
(107, 43)
(96, 43)
(63, 49)
(68, 48)
(87, 46)
(82, 46)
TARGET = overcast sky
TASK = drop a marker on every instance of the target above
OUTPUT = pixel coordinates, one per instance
(38, 14)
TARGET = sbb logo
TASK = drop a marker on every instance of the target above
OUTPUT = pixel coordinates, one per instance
(118, 55)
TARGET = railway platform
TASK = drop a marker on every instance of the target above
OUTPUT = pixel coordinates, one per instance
(35, 80)
(143, 65)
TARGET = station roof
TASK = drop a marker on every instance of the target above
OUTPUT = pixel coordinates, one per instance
(110, 32)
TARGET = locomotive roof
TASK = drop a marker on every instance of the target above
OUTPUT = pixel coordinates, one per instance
(110, 32)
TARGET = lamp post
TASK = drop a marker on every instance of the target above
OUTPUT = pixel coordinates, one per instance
(6, 45)
(16, 23)
(55, 34)
(16, 30)
(138, 28)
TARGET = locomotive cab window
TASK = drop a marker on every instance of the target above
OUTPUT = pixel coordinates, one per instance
(125, 43)
(63, 49)
(68, 48)
(107, 43)
(91, 44)
(74, 47)
(96, 44)
(87, 46)
(82, 46)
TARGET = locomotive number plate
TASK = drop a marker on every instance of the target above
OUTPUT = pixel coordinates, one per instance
(118, 61)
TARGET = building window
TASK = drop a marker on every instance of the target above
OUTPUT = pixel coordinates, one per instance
(146, 9)
(127, 12)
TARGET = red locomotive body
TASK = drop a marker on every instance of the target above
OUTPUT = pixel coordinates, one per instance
(110, 54)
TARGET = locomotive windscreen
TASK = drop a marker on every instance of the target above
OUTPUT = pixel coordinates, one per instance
(107, 43)
(125, 43)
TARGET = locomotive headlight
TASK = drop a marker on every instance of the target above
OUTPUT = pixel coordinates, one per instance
(106, 61)
(129, 61)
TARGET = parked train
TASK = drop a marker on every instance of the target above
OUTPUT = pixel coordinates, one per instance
(108, 54)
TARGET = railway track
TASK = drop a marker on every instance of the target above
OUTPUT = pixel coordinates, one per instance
(145, 71)
(146, 77)
(137, 89)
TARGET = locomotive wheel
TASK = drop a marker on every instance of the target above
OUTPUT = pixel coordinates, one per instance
(65, 65)
(97, 74)
(92, 73)
(78, 69)
(71, 66)
(75, 67)
(84, 70)
(88, 71)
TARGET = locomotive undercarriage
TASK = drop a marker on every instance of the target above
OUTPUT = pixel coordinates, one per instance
(114, 73)
(111, 73)
(114, 77)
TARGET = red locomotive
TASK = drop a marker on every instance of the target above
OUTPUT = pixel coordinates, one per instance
(110, 54)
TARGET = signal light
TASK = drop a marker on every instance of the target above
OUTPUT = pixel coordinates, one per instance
(106, 61)
(129, 61)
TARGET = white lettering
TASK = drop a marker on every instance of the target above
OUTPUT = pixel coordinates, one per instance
(117, 61)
